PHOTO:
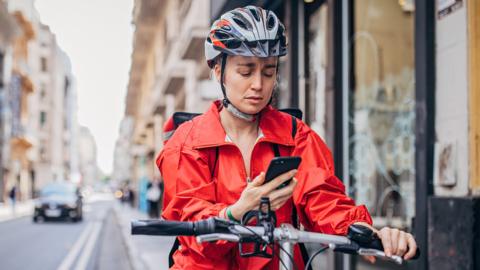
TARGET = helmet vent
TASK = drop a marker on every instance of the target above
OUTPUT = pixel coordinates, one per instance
(221, 35)
(241, 21)
(255, 14)
(270, 22)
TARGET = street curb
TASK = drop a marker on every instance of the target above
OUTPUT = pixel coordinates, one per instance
(15, 217)
(24, 209)
(135, 259)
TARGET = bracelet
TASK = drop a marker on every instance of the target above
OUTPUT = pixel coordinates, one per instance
(230, 216)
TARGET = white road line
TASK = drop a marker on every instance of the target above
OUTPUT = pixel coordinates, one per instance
(70, 258)
(89, 246)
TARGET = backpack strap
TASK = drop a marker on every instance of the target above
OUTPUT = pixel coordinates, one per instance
(174, 248)
(275, 148)
(213, 169)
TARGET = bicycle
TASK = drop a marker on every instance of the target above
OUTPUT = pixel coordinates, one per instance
(360, 240)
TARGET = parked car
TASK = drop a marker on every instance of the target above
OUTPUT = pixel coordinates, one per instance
(59, 200)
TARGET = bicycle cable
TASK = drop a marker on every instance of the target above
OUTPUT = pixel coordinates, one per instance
(263, 240)
(289, 256)
(281, 261)
(310, 260)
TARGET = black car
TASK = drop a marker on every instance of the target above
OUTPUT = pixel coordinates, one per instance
(59, 200)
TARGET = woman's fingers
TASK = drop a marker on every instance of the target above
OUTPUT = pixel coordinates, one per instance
(258, 181)
(412, 247)
(396, 242)
(402, 244)
(371, 259)
(394, 234)
(286, 191)
(386, 241)
(279, 197)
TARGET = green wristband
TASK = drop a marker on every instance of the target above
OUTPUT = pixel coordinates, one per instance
(230, 216)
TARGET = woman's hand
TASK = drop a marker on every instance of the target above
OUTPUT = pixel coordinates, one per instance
(255, 190)
(395, 242)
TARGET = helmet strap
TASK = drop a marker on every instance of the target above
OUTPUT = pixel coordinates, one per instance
(226, 103)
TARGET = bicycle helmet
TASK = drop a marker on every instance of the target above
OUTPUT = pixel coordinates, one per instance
(248, 31)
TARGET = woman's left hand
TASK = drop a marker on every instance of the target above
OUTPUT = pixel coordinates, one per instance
(395, 242)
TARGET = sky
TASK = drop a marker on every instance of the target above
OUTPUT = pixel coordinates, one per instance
(97, 36)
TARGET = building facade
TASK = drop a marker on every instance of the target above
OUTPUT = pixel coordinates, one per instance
(122, 159)
(87, 158)
(55, 115)
(375, 79)
(38, 123)
(168, 74)
(18, 138)
(10, 30)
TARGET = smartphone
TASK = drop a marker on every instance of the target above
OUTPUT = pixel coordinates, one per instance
(280, 165)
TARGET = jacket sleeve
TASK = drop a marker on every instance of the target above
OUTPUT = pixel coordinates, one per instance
(320, 196)
(190, 195)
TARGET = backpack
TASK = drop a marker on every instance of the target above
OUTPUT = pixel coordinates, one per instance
(179, 118)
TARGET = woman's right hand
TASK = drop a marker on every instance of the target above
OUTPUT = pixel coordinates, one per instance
(256, 189)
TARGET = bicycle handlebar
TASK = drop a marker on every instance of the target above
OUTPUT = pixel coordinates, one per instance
(213, 229)
(162, 227)
(174, 228)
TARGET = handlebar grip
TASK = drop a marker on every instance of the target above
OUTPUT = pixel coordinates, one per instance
(162, 227)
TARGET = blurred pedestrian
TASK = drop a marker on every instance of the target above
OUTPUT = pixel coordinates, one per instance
(13, 197)
(154, 193)
(131, 196)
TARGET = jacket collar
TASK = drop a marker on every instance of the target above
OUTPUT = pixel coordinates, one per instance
(210, 133)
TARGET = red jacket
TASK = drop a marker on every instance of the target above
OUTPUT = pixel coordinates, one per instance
(192, 194)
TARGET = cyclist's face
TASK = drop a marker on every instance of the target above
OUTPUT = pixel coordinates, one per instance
(249, 81)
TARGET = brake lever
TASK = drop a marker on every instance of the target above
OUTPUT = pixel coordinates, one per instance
(380, 254)
(217, 236)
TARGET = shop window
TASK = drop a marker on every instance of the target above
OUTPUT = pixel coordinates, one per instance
(317, 68)
(382, 110)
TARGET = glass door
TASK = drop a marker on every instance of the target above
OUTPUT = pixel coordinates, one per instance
(382, 113)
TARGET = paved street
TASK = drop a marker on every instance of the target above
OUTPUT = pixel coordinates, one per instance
(95, 243)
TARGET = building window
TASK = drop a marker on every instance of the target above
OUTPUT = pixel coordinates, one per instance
(66, 87)
(43, 91)
(43, 153)
(382, 111)
(317, 69)
(43, 118)
(43, 64)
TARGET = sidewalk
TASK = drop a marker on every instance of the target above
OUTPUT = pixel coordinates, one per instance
(145, 252)
(22, 209)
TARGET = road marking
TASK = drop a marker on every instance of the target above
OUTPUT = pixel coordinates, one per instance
(68, 261)
(89, 247)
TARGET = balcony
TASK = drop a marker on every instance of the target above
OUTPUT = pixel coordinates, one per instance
(195, 16)
(25, 24)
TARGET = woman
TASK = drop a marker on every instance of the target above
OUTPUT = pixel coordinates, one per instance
(214, 165)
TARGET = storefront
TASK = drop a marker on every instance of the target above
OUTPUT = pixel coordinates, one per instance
(363, 72)
(365, 88)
